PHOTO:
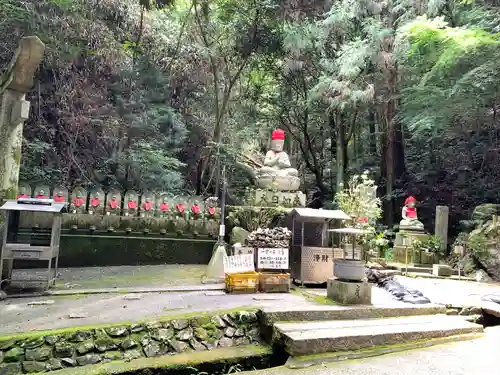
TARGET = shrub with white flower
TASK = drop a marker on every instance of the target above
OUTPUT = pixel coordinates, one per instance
(359, 201)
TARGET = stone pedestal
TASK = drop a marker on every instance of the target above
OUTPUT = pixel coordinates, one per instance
(349, 292)
(410, 235)
(404, 239)
(267, 198)
(441, 270)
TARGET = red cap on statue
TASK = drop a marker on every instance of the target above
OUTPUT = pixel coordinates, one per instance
(278, 135)
(410, 200)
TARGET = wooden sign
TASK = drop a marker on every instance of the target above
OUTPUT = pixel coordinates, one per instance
(239, 263)
(272, 258)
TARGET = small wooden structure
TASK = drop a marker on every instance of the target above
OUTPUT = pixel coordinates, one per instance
(349, 249)
(351, 265)
(30, 244)
(311, 257)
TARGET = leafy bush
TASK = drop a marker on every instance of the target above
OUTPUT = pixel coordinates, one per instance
(432, 244)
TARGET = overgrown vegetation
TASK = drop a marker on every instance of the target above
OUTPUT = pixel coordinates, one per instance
(140, 94)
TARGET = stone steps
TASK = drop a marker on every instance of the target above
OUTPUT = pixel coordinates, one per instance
(271, 315)
(305, 338)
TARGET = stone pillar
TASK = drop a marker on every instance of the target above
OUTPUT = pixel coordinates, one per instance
(441, 225)
(14, 110)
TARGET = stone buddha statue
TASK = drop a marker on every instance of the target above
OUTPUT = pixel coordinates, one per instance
(277, 172)
(409, 214)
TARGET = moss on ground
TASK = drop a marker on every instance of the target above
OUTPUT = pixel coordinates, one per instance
(170, 362)
(35, 334)
(321, 300)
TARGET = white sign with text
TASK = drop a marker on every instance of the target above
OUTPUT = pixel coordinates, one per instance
(270, 258)
(239, 263)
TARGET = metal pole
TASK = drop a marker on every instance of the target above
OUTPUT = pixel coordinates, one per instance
(217, 172)
(222, 227)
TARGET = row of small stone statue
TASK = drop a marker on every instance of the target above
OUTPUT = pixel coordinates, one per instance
(96, 202)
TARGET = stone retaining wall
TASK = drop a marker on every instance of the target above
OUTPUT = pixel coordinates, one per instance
(40, 353)
(95, 250)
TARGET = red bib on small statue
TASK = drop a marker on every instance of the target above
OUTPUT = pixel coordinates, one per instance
(95, 202)
(180, 208)
(195, 209)
(59, 199)
(78, 202)
(164, 207)
(411, 212)
(113, 204)
(132, 205)
(147, 206)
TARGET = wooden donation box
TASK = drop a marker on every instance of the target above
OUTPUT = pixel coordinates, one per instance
(240, 274)
(31, 244)
(311, 257)
(274, 266)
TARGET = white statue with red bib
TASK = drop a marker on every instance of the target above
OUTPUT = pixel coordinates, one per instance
(277, 170)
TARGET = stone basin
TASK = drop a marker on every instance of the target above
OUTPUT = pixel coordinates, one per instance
(280, 183)
(347, 269)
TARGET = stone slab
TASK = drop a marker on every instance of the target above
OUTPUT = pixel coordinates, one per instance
(274, 314)
(335, 336)
(349, 293)
(305, 361)
(441, 270)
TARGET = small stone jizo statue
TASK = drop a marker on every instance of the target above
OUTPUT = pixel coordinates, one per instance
(277, 162)
(409, 214)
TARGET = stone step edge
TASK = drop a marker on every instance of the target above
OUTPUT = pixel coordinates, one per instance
(291, 345)
(305, 361)
(268, 318)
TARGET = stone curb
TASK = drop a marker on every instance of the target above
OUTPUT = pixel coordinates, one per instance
(307, 361)
(172, 289)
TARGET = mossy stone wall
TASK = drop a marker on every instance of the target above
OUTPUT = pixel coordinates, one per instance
(48, 352)
(102, 250)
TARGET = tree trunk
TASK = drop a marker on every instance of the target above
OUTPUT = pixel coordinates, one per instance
(341, 154)
(373, 133)
(14, 110)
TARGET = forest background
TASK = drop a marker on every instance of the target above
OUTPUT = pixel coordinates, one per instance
(146, 94)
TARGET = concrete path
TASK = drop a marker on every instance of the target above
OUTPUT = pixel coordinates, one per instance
(477, 357)
(21, 315)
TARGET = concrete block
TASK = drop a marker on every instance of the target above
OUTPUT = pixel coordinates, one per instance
(441, 270)
(349, 292)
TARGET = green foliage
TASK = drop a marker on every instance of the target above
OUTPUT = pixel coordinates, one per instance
(135, 94)
(252, 218)
(380, 242)
(431, 244)
(457, 76)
